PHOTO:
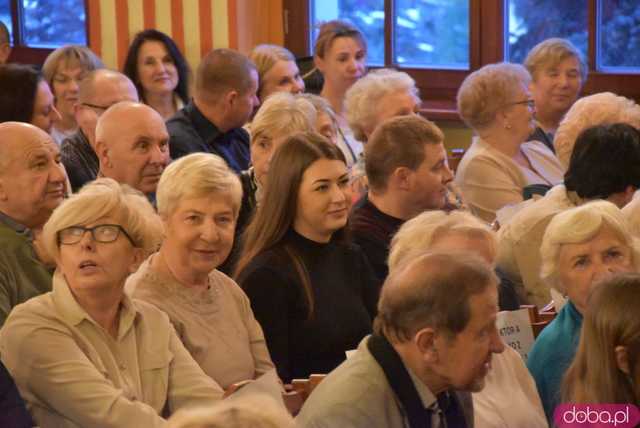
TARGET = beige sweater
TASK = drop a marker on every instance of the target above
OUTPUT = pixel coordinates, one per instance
(490, 180)
(216, 325)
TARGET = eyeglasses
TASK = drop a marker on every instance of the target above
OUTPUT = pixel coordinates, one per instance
(96, 107)
(529, 103)
(103, 233)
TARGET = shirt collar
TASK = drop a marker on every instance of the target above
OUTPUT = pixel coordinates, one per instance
(203, 126)
(15, 226)
(71, 311)
(429, 401)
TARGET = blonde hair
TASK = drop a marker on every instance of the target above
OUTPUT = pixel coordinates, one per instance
(579, 225)
(100, 198)
(604, 108)
(631, 212)
(283, 114)
(265, 56)
(248, 412)
(69, 55)
(418, 234)
(551, 52)
(485, 91)
(197, 175)
(611, 320)
(320, 104)
(362, 100)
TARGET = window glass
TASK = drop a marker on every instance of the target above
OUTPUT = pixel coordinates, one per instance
(432, 33)
(5, 15)
(53, 23)
(528, 22)
(619, 35)
(367, 15)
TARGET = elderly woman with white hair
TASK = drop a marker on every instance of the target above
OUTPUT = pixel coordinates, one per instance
(495, 102)
(198, 200)
(558, 71)
(604, 108)
(86, 354)
(581, 246)
(508, 380)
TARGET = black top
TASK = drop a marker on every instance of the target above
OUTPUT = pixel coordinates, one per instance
(372, 230)
(539, 135)
(13, 412)
(191, 132)
(79, 159)
(345, 296)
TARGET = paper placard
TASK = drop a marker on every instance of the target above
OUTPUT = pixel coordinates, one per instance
(515, 329)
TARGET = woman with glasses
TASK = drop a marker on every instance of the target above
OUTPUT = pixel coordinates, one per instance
(496, 104)
(85, 354)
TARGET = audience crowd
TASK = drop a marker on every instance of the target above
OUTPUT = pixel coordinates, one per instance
(193, 251)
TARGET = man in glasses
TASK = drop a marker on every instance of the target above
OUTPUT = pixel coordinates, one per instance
(32, 185)
(98, 91)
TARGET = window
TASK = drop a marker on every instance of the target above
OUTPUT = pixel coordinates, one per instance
(38, 26)
(439, 42)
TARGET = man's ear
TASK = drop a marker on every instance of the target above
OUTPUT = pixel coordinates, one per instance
(622, 358)
(230, 98)
(425, 340)
(401, 178)
(102, 151)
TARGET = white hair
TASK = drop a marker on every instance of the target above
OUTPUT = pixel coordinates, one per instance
(283, 113)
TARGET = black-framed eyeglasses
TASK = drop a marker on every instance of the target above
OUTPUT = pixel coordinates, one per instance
(103, 233)
(530, 103)
(96, 107)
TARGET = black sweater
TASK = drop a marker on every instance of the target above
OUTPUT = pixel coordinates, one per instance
(345, 294)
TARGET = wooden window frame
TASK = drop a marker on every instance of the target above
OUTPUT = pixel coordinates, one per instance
(24, 54)
(439, 87)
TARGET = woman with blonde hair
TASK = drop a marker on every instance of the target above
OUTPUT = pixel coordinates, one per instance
(581, 247)
(311, 290)
(495, 102)
(508, 379)
(198, 201)
(606, 368)
(86, 354)
(558, 72)
(277, 71)
(340, 54)
(63, 70)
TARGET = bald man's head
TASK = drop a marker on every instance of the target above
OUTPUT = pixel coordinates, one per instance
(98, 91)
(32, 179)
(132, 144)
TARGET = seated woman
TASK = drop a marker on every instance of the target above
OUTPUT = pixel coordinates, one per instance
(277, 71)
(85, 354)
(158, 69)
(495, 102)
(340, 54)
(313, 293)
(63, 70)
(326, 122)
(558, 71)
(580, 247)
(198, 200)
(26, 97)
(606, 368)
(508, 380)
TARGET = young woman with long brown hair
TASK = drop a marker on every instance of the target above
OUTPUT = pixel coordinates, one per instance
(313, 293)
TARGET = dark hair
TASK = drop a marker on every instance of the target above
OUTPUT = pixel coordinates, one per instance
(432, 290)
(277, 212)
(131, 62)
(222, 70)
(605, 160)
(18, 89)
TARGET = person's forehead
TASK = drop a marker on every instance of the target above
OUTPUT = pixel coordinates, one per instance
(27, 145)
(109, 91)
(152, 48)
(434, 153)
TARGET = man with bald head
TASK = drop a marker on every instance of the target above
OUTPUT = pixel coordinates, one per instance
(99, 90)
(223, 100)
(132, 144)
(32, 185)
(435, 333)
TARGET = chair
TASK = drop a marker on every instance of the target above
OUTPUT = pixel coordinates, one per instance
(299, 390)
(539, 319)
(454, 158)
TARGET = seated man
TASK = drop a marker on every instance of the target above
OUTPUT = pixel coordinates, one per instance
(32, 185)
(98, 91)
(223, 100)
(431, 347)
(406, 165)
(132, 144)
(603, 165)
